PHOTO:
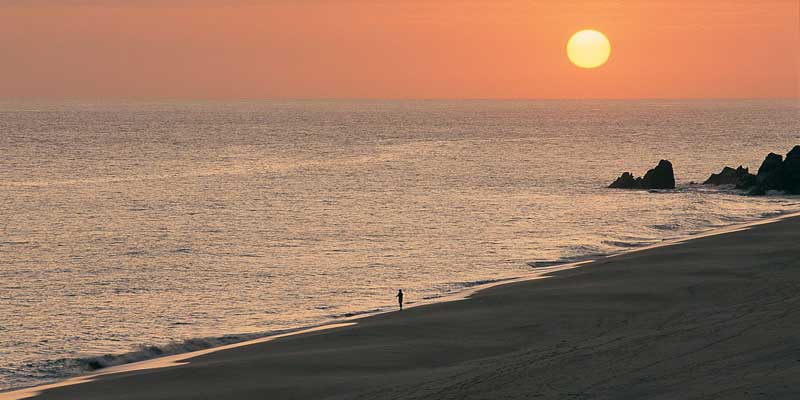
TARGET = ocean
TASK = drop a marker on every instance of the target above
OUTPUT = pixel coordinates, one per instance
(132, 229)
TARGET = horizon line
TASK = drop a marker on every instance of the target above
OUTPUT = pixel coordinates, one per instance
(287, 98)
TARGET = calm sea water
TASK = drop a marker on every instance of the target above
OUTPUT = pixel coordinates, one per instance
(144, 224)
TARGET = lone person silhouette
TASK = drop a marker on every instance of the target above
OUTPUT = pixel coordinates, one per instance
(400, 298)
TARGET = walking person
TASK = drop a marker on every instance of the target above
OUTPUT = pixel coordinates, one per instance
(400, 298)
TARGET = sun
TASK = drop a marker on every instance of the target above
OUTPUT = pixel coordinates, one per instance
(588, 48)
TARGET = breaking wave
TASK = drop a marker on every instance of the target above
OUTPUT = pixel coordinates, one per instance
(36, 373)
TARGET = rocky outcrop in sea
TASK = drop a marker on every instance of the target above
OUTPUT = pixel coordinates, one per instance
(776, 174)
(660, 177)
(739, 177)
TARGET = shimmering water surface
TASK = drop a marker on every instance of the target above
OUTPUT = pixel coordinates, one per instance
(147, 223)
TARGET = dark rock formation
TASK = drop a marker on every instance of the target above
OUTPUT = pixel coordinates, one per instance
(778, 174)
(770, 165)
(626, 181)
(739, 177)
(660, 177)
(791, 167)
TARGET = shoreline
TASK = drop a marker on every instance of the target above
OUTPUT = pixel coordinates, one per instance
(464, 294)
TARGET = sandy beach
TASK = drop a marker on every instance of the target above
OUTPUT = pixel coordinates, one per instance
(712, 317)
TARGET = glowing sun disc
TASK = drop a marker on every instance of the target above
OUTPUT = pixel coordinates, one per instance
(588, 48)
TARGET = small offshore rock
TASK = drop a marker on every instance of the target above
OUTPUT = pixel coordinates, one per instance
(660, 177)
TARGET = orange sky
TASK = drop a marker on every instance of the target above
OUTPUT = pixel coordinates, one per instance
(396, 49)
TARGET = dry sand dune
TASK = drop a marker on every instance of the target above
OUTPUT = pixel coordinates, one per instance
(714, 317)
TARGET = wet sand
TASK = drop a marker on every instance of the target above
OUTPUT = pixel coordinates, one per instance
(712, 317)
